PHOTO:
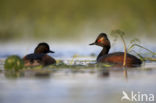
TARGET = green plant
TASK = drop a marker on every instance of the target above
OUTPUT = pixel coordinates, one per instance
(13, 62)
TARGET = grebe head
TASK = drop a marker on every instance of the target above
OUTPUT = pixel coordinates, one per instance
(102, 40)
(42, 48)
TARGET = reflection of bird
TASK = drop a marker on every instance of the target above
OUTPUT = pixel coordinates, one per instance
(125, 96)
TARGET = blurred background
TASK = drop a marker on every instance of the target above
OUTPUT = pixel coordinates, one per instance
(28, 22)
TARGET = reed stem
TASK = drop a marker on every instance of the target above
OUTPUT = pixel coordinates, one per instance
(125, 51)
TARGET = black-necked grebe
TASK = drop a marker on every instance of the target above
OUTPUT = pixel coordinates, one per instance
(116, 58)
(39, 57)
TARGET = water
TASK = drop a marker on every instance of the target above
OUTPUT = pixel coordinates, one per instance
(71, 85)
(83, 85)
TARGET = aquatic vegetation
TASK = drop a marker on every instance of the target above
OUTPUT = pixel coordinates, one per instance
(14, 63)
(121, 34)
(75, 65)
(132, 44)
(74, 56)
(137, 45)
(64, 67)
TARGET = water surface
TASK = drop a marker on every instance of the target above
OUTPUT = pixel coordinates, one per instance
(80, 83)
(69, 85)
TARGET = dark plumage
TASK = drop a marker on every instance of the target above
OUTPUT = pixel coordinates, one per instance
(39, 57)
(116, 58)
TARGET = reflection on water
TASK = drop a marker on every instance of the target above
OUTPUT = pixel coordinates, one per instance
(79, 84)
(84, 85)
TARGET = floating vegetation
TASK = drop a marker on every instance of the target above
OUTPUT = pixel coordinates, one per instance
(47, 71)
(102, 69)
(14, 63)
(74, 56)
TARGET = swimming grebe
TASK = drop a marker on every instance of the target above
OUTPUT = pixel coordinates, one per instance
(113, 58)
(39, 57)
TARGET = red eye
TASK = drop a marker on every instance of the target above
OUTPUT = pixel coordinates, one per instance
(99, 40)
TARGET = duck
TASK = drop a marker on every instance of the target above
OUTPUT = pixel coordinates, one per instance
(116, 58)
(39, 57)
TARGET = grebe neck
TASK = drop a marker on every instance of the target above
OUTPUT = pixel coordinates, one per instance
(104, 51)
